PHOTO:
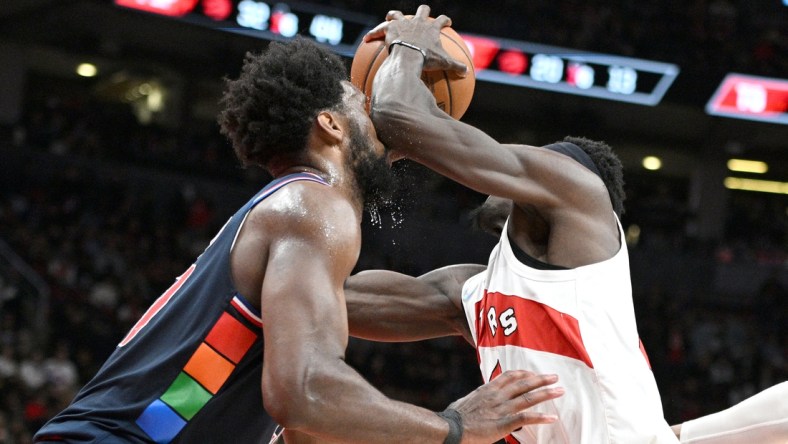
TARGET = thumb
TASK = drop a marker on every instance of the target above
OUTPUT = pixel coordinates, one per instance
(447, 64)
(458, 68)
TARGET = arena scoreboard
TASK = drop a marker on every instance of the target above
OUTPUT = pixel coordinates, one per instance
(570, 71)
(752, 98)
(338, 28)
(495, 59)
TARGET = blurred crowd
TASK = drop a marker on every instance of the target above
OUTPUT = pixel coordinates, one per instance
(107, 244)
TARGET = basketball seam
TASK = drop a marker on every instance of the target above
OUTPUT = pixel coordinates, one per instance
(469, 63)
(467, 56)
(369, 67)
(448, 88)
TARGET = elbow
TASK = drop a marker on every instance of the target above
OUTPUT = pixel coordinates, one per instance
(283, 400)
(295, 399)
(459, 325)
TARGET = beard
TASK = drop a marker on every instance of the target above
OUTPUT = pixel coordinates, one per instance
(375, 181)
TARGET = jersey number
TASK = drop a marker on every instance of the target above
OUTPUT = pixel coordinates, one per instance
(157, 306)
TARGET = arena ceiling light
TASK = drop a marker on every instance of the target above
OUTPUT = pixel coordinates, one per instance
(748, 166)
(652, 163)
(87, 70)
(762, 186)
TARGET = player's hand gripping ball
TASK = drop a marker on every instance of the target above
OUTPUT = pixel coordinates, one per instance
(452, 92)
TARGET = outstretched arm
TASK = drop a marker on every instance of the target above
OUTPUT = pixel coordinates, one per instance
(407, 120)
(762, 418)
(387, 306)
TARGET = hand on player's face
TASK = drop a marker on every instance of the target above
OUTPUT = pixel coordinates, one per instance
(421, 31)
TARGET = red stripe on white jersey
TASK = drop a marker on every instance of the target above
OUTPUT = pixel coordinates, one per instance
(512, 320)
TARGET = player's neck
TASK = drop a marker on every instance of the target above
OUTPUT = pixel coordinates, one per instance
(329, 166)
(321, 162)
(295, 169)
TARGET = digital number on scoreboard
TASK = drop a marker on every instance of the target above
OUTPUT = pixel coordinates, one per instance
(751, 98)
(568, 71)
(495, 59)
(268, 20)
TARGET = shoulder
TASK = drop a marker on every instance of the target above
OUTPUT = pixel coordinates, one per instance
(565, 185)
(548, 179)
(307, 209)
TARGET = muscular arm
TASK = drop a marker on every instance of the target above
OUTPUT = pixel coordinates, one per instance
(306, 383)
(388, 306)
(402, 105)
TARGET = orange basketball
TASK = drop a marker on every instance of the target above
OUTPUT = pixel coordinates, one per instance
(452, 93)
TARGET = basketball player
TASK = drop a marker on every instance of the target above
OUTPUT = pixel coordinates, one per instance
(389, 306)
(556, 294)
(254, 332)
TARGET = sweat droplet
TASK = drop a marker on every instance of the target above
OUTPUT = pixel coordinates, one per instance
(374, 216)
(397, 216)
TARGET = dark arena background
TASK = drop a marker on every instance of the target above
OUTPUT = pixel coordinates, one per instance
(113, 175)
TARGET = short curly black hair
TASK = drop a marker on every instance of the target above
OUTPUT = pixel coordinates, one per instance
(609, 166)
(268, 111)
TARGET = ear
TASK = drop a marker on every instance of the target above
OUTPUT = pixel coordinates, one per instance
(329, 127)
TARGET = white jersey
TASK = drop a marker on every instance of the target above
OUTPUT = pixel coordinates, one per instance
(576, 323)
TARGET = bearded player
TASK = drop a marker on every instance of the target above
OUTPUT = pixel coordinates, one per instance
(254, 332)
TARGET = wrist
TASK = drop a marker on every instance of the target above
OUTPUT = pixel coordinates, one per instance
(407, 48)
(454, 419)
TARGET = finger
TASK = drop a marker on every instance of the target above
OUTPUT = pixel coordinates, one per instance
(533, 382)
(394, 15)
(522, 419)
(423, 11)
(377, 32)
(457, 67)
(510, 376)
(443, 21)
(446, 63)
(526, 384)
(532, 398)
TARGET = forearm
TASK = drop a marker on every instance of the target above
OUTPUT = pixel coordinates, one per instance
(407, 120)
(339, 405)
(389, 306)
(398, 319)
(762, 418)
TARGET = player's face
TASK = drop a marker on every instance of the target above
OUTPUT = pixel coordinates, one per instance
(367, 157)
(355, 103)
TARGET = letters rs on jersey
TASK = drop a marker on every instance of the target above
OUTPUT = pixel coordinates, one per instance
(577, 323)
(544, 328)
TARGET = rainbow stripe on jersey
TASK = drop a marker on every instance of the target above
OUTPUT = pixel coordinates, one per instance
(203, 375)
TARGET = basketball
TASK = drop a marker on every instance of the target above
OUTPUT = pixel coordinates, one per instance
(452, 93)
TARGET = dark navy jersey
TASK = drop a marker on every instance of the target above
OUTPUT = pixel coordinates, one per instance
(190, 370)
